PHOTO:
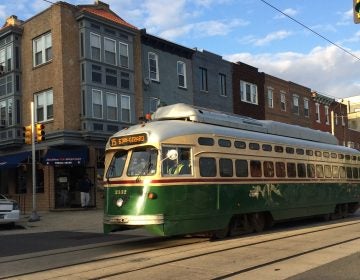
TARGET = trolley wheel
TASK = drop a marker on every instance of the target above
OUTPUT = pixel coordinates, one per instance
(220, 233)
(257, 220)
(344, 210)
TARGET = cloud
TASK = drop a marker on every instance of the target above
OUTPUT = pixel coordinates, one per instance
(325, 69)
(290, 12)
(274, 36)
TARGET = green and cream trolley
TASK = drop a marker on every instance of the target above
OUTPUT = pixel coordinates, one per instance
(192, 170)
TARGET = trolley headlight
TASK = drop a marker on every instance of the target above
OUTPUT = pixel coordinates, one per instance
(119, 202)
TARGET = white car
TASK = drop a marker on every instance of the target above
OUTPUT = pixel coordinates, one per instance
(9, 210)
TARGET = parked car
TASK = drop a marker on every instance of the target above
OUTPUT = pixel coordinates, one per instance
(9, 210)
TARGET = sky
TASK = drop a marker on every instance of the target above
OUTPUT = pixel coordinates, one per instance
(318, 48)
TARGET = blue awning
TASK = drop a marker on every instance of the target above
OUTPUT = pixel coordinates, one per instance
(77, 156)
(13, 161)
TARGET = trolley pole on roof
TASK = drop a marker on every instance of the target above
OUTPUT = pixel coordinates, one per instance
(34, 216)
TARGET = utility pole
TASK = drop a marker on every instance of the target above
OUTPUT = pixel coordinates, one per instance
(34, 216)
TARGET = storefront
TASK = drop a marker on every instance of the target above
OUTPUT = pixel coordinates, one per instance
(69, 167)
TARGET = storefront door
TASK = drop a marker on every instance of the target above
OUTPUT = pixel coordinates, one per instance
(67, 194)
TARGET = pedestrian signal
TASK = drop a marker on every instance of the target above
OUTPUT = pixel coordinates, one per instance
(27, 134)
(357, 11)
(40, 132)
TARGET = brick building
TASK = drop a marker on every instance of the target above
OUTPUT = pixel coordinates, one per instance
(76, 63)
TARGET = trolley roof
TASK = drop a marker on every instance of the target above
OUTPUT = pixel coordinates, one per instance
(202, 115)
(168, 124)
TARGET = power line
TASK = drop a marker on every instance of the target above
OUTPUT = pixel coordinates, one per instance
(313, 31)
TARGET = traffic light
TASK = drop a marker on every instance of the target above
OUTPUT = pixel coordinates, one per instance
(27, 134)
(40, 132)
(357, 11)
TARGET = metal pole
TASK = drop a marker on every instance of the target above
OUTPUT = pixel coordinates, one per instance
(34, 216)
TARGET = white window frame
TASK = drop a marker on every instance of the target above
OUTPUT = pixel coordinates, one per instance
(306, 108)
(343, 120)
(317, 112)
(204, 79)
(181, 72)
(100, 104)
(44, 100)
(124, 53)
(113, 42)
(222, 85)
(283, 101)
(42, 45)
(125, 105)
(336, 119)
(153, 57)
(111, 104)
(327, 115)
(270, 97)
(248, 97)
(154, 103)
(98, 45)
(296, 108)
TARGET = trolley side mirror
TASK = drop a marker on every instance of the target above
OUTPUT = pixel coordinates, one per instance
(172, 154)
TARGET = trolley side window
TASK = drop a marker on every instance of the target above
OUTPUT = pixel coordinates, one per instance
(207, 167)
(255, 168)
(269, 169)
(117, 165)
(178, 165)
(280, 169)
(241, 168)
(226, 167)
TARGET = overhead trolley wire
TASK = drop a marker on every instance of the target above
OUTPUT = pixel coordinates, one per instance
(310, 29)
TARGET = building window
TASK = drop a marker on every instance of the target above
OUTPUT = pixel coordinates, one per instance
(44, 106)
(222, 84)
(111, 77)
(125, 80)
(6, 85)
(111, 106)
(95, 45)
(97, 104)
(270, 97)
(248, 92)
(124, 55)
(6, 112)
(283, 101)
(42, 49)
(296, 104)
(336, 119)
(125, 108)
(153, 67)
(327, 117)
(343, 120)
(181, 72)
(203, 79)
(96, 73)
(306, 108)
(6, 59)
(109, 51)
(153, 104)
(317, 112)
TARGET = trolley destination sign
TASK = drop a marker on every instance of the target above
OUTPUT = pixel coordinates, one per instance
(128, 140)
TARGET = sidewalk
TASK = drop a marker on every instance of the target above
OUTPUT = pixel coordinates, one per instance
(89, 220)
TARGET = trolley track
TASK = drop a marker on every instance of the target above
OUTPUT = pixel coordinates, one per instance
(184, 251)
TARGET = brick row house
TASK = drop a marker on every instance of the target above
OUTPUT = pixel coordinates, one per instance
(90, 74)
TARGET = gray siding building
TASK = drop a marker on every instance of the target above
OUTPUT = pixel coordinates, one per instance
(212, 81)
(167, 72)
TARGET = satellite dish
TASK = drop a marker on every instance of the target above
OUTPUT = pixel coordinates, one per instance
(146, 81)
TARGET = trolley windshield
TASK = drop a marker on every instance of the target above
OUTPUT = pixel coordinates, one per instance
(137, 162)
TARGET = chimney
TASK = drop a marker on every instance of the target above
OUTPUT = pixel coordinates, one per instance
(102, 5)
(13, 21)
